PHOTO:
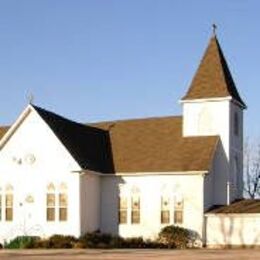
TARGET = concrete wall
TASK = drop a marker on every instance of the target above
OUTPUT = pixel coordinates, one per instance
(151, 187)
(52, 164)
(232, 229)
(90, 202)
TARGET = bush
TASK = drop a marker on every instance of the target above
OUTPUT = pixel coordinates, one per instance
(169, 237)
(174, 237)
(61, 241)
(99, 240)
(96, 240)
(22, 242)
(133, 242)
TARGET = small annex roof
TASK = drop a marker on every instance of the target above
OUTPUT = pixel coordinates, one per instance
(245, 206)
(213, 78)
(132, 146)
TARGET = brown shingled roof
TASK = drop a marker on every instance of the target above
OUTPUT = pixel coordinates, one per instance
(239, 206)
(213, 78)
(157, 145)
(133, 146)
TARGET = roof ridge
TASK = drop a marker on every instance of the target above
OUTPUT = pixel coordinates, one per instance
(134, 119)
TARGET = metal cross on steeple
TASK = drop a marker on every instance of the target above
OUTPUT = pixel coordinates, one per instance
(214, 27)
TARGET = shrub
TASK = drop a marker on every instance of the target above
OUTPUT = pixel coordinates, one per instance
(133, 242)
(95, 240)
(116, 242)
(99, 240)
(60, 241)
(174, 237)
(22, 242)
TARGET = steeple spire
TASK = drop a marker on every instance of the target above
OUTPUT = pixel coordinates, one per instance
(213, 78)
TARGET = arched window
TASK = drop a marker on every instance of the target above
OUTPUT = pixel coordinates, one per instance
(50, 202)
(166, 199)
(123, 204)
(165, 209)
(9, 197)
(236, 124)
(135, 206)
(122, 214)
(178, 210)
(205, 124)
(129, 205)
(63, 202)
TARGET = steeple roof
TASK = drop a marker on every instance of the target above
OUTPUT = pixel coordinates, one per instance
(213, 78)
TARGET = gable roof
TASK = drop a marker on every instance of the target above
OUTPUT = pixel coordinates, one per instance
(213, 78)
(239, 206)
(132, 146)
(89, 146)
(157, 145)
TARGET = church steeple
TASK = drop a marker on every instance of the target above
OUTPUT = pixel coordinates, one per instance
(213, 78)
(213, 106)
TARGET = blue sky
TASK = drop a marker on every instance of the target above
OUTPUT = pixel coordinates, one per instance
(95, 60)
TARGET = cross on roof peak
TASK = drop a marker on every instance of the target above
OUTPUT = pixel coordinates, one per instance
(214, 28)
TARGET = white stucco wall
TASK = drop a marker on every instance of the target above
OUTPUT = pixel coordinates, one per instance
(90, 202)
(207, 118)
(216, 117)
(151, 187)
(233, 229)
(53, 164)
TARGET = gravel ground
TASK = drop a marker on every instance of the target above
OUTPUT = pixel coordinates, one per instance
(142, 254)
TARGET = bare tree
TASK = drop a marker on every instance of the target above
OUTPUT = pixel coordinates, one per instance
(252, 169)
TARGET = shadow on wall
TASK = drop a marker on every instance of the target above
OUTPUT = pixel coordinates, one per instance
(110, 191)
(220, 179)
(235, 231)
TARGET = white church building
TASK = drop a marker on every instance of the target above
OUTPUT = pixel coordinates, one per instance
(133, 177)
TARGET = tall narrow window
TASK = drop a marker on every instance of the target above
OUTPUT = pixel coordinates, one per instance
(178, 211)
(165, 210)
(50, 201)
(122, 214)
(135, 209)
(63, 203)
(236, 124)
(9, 203)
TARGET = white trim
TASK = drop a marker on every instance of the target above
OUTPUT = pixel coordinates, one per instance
(15, 126)
(198, 100)
(134, 174)
(20, 120)
(244, 215)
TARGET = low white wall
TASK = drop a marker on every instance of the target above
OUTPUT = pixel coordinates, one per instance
(232, 230)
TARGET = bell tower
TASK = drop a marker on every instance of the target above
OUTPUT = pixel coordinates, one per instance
(213, 106)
